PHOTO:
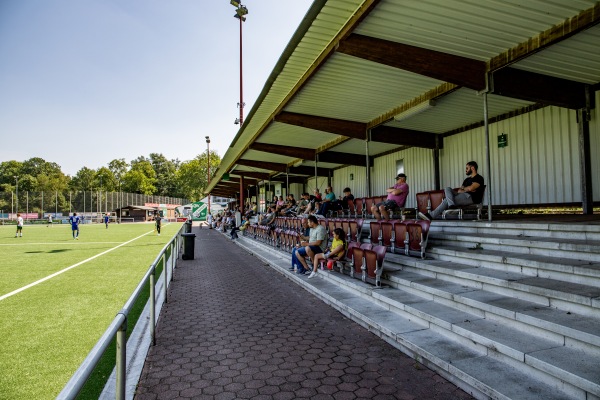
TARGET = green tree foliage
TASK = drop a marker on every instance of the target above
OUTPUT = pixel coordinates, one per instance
(192, 175)
(141, 178)
(83, 180)
(146, 175)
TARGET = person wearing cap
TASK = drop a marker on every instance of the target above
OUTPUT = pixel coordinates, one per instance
(470, 192)
(396, 199)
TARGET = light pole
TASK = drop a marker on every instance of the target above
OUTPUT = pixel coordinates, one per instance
(17, 194)
(208, 168)
(240, 13)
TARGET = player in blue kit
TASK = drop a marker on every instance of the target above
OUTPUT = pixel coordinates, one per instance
(106, 220)
(74, 220)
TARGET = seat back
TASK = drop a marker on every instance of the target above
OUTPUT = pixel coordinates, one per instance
(422, 202)
(351, 208)
(357, 260)
(387, 229)
(346, 229)
(359, 203)
(353, 231)
(381, 251)
(417, 237)
(351, 245)
(436, 197)
(330, 227)
(368, 204)
(400, 230)
(370, 262)
(375, 232)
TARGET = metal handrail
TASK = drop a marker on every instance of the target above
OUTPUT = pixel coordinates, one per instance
(118, 328)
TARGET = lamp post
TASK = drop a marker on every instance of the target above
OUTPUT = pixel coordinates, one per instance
(16, 194)
(240, 13)
(208, 168)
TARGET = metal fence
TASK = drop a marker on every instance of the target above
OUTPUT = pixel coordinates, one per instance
(83, 202)
(118, 327)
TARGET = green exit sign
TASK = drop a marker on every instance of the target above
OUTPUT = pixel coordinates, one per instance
(502, 140)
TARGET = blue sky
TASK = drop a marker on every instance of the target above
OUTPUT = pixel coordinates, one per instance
(83, 82)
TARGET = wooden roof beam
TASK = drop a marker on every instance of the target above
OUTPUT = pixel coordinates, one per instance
(310, 171)
(524, 85)
(252, 174)
(434, 64)
(290, 151)
(353, 129)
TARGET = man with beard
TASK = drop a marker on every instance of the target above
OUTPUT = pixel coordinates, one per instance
(471, 192)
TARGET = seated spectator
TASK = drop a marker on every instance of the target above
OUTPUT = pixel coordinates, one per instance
(336, 252)
(347, 197)
(268, 218)
(470, 192)
(328, 203)
(396, 199)
(290, 205)
(251, 211)
(302, 204)
(316, 244)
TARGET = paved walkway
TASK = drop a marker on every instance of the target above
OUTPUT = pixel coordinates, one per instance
(236, 329)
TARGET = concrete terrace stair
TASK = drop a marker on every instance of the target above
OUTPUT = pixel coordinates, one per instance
(501, 323)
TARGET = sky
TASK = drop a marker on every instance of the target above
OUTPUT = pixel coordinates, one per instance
(83, 82)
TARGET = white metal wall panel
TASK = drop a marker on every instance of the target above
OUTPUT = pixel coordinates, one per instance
(358, 184)
(321, 184)
(418, 166)
(539, 165)
(296, 190)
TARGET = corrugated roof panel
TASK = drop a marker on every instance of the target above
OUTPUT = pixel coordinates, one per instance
(576, 58)
(474, 29)
(278, 133)
(358, 90)
(458, 109)
(267, 157)
(356, 146)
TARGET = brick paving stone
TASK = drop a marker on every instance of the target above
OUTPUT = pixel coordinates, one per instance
(235, 329)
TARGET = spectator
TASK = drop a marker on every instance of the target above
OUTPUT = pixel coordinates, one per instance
(347, 197)
(470, 192)
(328, 202)
(316, 244)
(396, 199)
(336, 252)
(302, 204)
(268, 218)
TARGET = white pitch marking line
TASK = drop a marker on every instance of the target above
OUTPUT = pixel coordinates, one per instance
(68, 268)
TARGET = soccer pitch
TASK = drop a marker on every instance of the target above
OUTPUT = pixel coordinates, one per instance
(58, 296)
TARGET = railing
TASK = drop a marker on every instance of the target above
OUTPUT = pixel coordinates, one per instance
(118, 327)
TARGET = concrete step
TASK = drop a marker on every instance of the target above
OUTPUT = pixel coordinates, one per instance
(576, 231)
(448, 340)
(540, 265)
(557, 247)
(573, 326)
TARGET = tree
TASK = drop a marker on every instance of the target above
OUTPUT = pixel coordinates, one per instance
(165, 174)
(118, 167)
(141, 178)
(192, 176)
(105, 180)
(83, 179)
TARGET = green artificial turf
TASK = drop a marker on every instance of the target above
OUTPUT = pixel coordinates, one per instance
(48, 329)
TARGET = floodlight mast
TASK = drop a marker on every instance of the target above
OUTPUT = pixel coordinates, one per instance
(240, 13)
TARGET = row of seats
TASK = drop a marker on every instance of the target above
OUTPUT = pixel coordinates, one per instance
(430, 200)
(363, 261)
(361, 208)
(407, 237)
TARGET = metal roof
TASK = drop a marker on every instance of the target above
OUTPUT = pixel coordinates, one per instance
(353, 65)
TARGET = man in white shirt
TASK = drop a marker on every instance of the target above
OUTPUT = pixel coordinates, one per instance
(19, 226)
